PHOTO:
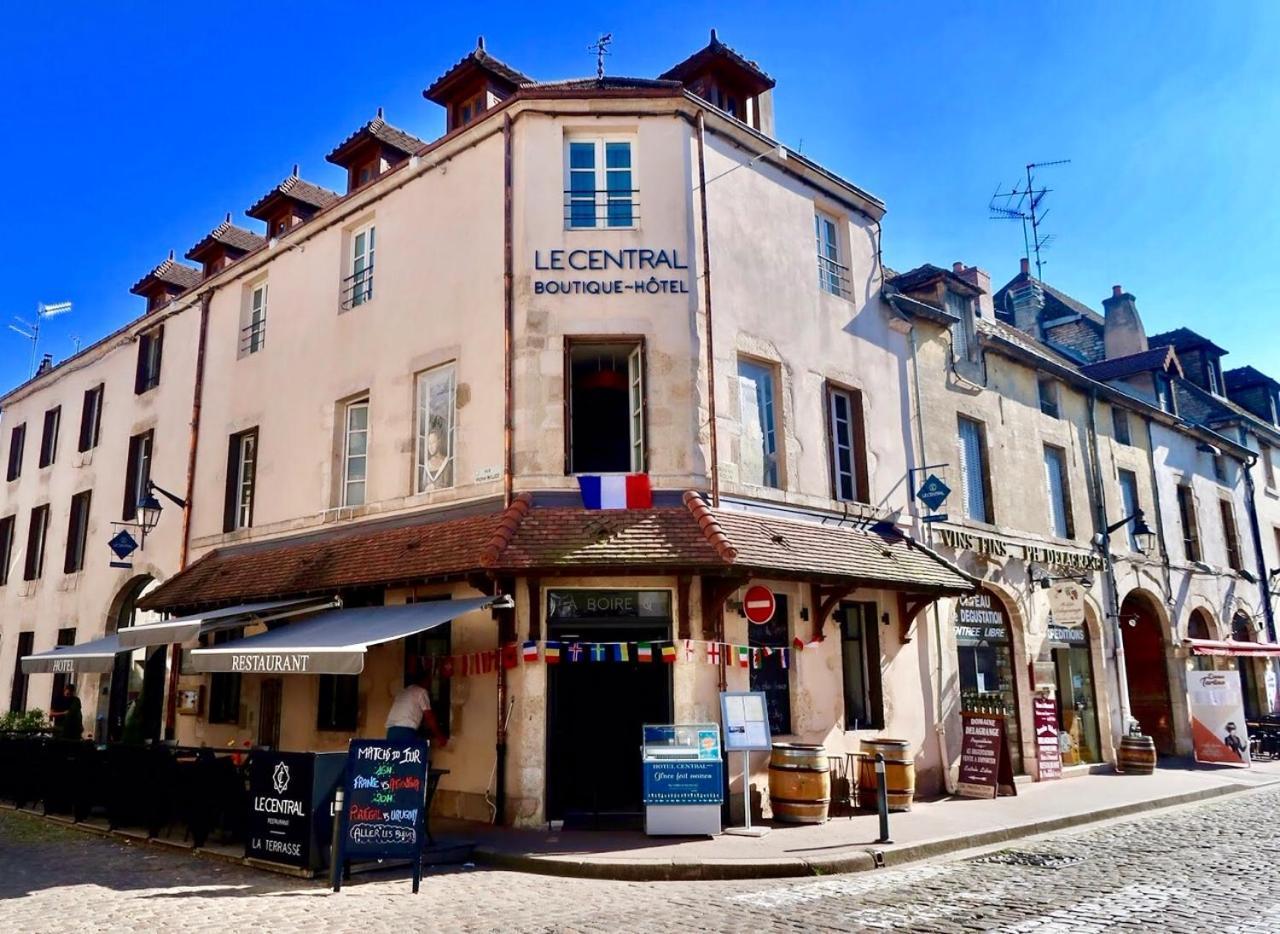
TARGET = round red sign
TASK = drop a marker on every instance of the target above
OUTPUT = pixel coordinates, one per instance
(759, 604)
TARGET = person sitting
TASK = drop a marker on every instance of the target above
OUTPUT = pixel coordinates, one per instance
(410, 711)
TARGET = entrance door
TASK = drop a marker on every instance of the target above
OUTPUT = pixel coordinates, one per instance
(1148, 675)
(596, 709)
(269, 713)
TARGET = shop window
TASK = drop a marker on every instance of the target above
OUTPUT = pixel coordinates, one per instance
(1187, 516)
(860, 659)
(18, 690)
(150, 348)
(975, 478)
(57, 703)
(1120, 425)
(242, 472)
(600, 188)
(423, 653)
(253, 333)
(77, 532)
(436, 413)
(7, 525)
(355, 452)
(17, 441)
(339, 703)
(833, 276)
(988, 683)
(91, 418)
(49, 437)
(1048, 390)
(848, 444)
(1078, 735)
(606, 401)
(37, 535)
(758, 460)
(358, 285)
(137, 474)
(224, 686)
(769, 675)
(1129, 504)
(1230, 534)
(1059, 489)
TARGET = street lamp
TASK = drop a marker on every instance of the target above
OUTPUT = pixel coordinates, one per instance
(149, 507)
(1142, 534)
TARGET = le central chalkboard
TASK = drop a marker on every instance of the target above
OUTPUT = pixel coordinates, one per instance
(385, 789)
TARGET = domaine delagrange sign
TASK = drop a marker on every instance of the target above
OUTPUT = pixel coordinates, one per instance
(635, 271)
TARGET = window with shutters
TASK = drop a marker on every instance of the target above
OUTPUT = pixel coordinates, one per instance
(847, 439)
(1055, 469)
(975, 479)
(1187, 516)
(758, 458)
(91, 418)
(77, 532)
(961, 338)
(18, 691)
(17, 443)
(137, 474)
(242, 464)
(1129, 503)
(1230, 534)
(150, 346)
(37, 536)
(49, 436)
(1048, 390)
(7, 527)
(66, 636)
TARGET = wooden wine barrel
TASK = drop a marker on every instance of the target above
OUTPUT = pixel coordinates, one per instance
(899, 774)
(1137, 755)
(799, 783)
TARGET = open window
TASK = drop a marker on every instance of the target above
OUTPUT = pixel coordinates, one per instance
(606, 402)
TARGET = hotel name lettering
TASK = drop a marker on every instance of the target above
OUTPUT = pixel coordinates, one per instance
(661, 272)
(997, 548)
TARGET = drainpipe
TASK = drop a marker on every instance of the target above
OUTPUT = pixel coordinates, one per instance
(706, 292)
(1109, 577)
(508, 463)
(1264, 582)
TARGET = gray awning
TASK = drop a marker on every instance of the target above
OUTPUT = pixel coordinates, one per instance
(187, 629)
(333, 643)
(98, 655)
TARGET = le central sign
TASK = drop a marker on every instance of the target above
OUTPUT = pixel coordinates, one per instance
(662, 272)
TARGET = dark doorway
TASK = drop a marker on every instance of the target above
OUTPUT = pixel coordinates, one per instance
(153, 692)
(606, 408)
(1147, 672)
(596, 710)
(269, 713)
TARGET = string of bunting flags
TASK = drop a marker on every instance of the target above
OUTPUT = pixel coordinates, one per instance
(552, 652)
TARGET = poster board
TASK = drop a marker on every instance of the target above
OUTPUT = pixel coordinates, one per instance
(383, 814)
(280, 808)
(1048, 741)
(745, 717)
(1218, 731)
(985, 767)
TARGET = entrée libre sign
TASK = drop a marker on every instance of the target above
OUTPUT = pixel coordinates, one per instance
(660, 265)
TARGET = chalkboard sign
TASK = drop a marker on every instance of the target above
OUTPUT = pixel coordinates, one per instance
(385, 793)
(280, 806)
(985, 767)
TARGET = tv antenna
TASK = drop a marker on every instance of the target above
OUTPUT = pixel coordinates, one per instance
(1025, 205)
(31, 330)
(601, 48)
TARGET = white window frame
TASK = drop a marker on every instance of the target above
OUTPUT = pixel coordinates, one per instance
(1130, 508)
(1060, 517)
(246, 478)
(600, 185)
(849, 447)
(762, 410)
(424, 479)
(255, 331)
(637, 414)
(362, 264)
(348, 433)
(832, 273)
(967, 483)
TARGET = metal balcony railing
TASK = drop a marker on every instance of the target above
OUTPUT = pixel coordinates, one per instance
(253, 337)
(832, 276)
(357, 288)
(587, 209)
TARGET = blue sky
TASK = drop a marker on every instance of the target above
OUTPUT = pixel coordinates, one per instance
(132, 128)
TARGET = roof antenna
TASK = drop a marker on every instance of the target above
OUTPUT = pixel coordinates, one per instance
(1024, 205)
(31, 329)
(601, 48)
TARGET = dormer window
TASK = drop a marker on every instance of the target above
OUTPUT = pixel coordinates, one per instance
(290, 203)
(223, 245)
(471, 109)
(473, 85)
(373, 149)
(728, 81)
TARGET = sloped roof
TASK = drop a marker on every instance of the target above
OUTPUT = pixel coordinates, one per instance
(169, 273)
(922, 275)
(228, 235)
(1058, 304)
(1245, 376)
(296, 189)
(1182, 339)
(477, 60)
(712, 50)
(376, 129)
(1156, 358)
(607, 83)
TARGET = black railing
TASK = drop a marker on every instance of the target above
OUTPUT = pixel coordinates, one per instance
(357, 288)
(832, 276)
(588, 209)
(253, 337)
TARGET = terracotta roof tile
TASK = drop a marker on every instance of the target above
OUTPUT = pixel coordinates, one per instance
(717, 49)
(476, 60)
(377, 129)
(1157, 358)
(295, 189)
(170, 273)
(228, 235)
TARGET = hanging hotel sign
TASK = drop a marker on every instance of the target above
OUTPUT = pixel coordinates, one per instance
(633, 271)
(999, 548)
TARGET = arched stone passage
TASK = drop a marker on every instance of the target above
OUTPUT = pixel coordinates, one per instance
(138, 678)
(989, 642)
(1146, 669)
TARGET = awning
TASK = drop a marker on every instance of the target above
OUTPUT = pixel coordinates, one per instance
(96, 656)
(333, 643)
(187, 629)
(1232, 647)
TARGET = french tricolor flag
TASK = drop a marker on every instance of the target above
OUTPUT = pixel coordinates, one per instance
(616, 491)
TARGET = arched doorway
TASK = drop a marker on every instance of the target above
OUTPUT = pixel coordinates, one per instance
(988, 676)
(137, 681)
(1147, 671)
(1242, 631)
(1199, 627)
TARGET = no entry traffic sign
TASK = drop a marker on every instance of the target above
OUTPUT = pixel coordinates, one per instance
(759, 604)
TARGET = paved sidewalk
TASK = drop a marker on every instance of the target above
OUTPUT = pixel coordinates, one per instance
(848, 844)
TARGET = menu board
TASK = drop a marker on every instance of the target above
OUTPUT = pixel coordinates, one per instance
(1048, 745)
(279, 827)
(985, 769)
(385, 792)
(746, 720)
(683, 782)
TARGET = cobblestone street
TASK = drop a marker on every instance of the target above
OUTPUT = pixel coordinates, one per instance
(1213, 866)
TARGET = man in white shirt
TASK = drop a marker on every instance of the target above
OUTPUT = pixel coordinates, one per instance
(410, 711)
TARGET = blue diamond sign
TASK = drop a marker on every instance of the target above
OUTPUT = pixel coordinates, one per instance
(123, 544)
(933, 492)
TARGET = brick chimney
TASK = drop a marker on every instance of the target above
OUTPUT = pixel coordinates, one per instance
(1026, 298)
(979, 278)
(1122, 333)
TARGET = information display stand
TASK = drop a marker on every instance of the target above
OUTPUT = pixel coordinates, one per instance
(683, 779)
(746, 729)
